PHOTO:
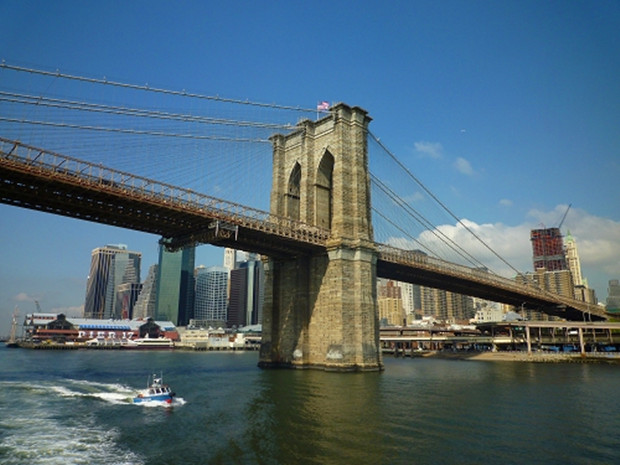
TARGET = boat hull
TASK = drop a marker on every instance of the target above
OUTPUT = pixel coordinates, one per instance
(158, 398)
(149, 344)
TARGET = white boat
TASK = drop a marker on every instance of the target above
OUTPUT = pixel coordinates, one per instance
(149, 343)
(156, 391)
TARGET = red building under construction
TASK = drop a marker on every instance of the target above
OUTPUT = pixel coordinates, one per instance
(548, 249)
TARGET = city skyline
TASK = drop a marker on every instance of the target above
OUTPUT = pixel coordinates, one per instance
(508, 112)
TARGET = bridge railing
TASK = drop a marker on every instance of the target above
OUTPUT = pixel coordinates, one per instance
(421, 260)
(412, 257)
(81, 171)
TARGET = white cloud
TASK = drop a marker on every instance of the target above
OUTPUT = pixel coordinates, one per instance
(23, 297)
(429, 149)
(415, 197)
(463, 166)
(505, 202)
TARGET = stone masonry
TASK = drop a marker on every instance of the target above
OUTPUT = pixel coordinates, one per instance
(321, 311)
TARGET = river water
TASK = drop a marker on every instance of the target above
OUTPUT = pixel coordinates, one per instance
(74, 407)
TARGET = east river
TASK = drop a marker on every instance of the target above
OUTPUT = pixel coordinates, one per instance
(74, 407)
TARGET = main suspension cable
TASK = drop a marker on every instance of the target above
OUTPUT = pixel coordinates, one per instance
(146, 88)
(25, 99)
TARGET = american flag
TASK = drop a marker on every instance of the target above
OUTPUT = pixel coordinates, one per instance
(322, 106)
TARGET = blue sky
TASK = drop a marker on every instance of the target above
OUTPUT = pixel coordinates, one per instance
(508, 111)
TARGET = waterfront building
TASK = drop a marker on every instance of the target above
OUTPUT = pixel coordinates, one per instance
(211, 301)
(548, 249)
(175, 285)
(446, 306)
(487, 311)
(56, 327)
(147, 300)
(111, 266)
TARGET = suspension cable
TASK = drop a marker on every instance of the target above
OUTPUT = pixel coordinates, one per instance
(127, 111)
(131, 131)
(146, 88)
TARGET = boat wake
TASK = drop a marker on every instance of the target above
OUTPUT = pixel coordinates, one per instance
(112, 393)
(40, 429)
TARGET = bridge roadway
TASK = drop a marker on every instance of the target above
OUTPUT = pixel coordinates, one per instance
(42, 180)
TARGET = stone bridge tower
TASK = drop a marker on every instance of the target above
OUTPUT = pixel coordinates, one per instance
(321, 311)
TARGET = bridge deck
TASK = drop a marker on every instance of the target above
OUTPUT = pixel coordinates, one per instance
(46, 181)
(54, 183)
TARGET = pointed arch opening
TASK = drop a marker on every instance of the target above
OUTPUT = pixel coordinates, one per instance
(292, 195)
(323, 192)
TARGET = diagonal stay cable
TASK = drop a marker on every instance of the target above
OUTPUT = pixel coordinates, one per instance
(426, 223)
(404, 168)
(402, 230)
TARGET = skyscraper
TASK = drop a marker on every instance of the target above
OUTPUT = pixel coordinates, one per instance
(147, 300)
(572, 259)
(238, 298)
(246, 293)
(211, 303)
(548, 249)
(175, 285)
(110, 267)
(126, 296)
(409, 299)
(230, 258)
(613, 297)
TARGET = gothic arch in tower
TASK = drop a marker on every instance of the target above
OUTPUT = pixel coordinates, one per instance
(293, 192)
(323, 191)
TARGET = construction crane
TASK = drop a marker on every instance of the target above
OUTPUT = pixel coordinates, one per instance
(564, 217)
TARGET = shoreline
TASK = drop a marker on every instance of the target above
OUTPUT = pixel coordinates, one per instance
(524, 357)
(487, 356)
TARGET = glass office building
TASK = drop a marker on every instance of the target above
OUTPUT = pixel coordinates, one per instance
(211, 305)
(245, 306)
(175, 285)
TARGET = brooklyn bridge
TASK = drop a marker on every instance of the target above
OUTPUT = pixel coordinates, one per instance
(316, 235)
